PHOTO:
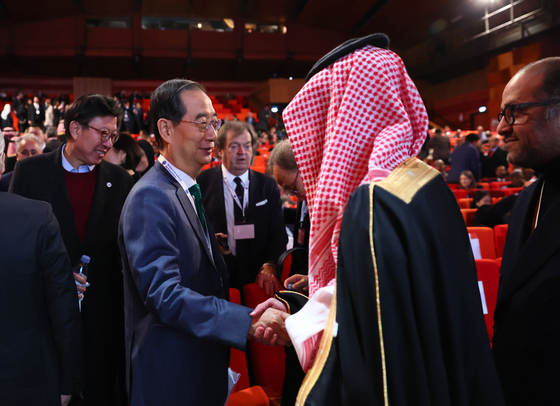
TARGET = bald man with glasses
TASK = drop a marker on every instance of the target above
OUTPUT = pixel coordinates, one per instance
(87, 195)
(527, 317)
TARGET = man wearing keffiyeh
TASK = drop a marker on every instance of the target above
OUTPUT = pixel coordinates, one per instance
(358, 118)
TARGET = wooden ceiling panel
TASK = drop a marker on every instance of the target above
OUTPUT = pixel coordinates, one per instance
(167, 8)
(108, 8)
(408, 22)
(23, 11)
(330, 15)
(215, 8)
(274, 11)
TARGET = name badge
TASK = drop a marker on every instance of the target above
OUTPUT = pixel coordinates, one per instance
(244, 231)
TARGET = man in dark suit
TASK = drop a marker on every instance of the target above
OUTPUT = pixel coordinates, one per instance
(245, 205)
(250, 119)
(179, 323)
(527, 317)
(496, 157)
(87, 195)
(465, 157)
(40, 338)
(35, 112)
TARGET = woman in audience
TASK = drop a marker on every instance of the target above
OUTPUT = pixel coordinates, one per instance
(467, 181)
(125, 152)
(488, 214)
(147, 160)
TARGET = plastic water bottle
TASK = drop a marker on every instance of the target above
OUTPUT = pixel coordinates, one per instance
(83, 271)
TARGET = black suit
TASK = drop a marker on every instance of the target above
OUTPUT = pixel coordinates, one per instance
(526, 341)
(40, 338)
(41, 177)
(270, 230)
(491, 162)
(33, 116)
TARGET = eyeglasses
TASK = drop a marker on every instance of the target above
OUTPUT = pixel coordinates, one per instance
(105, 134)
(205, 125)
(508, 113)
(292, 189)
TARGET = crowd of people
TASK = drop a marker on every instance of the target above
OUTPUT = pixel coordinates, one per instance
(380, 309)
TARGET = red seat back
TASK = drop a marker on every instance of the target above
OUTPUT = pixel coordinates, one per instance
(268, 362)
(459, 193)
(237, 359)
(488, 279)
(485, 236)
(500, 232)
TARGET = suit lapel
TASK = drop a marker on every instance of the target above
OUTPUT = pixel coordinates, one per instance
(219, 199)
(526, 263)
(61, 202)
(188, 209)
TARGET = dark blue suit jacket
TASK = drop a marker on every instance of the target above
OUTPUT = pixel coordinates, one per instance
(179, 323)
(465, 157)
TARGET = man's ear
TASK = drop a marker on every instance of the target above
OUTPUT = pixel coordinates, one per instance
(166, 129)
(219, 152)
(75, 129)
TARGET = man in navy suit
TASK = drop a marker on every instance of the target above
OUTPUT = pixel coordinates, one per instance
(40, 338)
(527, 317)
(180, 325)
(245, 205)
(466, 157)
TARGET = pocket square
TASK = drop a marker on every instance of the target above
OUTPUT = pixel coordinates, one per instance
(262, 203)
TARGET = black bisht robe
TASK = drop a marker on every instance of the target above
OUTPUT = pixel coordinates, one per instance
(404, 254)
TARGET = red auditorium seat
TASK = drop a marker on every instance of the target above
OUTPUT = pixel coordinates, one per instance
(496, 193)
(500, 232)
(459, 193)
(254, 396)
(488, 273)
(469, 216)
(498, 185)
(485, 236)
(485, 185)
(511, 190)
(268, 362)
(238, 360)
(453, 186)
(465, 203)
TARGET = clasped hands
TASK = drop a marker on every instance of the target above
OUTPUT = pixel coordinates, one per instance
(268, 325)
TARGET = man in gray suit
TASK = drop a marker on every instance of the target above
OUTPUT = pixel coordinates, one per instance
(179, 323)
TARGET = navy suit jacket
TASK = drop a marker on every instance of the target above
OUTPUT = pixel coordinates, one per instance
(40, 337)
(270, 229)
(179, 324)
(526, 341)
(465, 157)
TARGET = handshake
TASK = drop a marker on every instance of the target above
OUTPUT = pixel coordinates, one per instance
(268, 325)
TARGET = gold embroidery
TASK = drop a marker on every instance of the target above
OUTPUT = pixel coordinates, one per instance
(377, 298)
(408, 178)
(324, 350)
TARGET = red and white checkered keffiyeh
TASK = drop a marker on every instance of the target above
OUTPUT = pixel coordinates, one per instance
(359, 115)
(352, 123)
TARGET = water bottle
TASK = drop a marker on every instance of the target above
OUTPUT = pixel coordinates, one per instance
(83, 271)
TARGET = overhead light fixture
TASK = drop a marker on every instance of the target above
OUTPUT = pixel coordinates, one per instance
(482, 109)
(291, 78)
(274, 109)
(199, 25)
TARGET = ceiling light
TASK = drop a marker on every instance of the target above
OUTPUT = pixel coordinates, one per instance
(482, 109)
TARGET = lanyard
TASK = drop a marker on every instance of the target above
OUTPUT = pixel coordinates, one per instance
(170, 169)
(236, 199)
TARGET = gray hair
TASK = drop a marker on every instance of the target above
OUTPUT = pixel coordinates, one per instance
(28, 137)
(282, 155)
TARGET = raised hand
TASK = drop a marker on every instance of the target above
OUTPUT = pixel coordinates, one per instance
(298, 282)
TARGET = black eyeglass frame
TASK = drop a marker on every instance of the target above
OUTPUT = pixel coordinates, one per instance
(105, 134)
(514, 107)
(292, 189)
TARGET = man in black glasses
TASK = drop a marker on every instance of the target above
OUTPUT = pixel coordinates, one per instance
(526, 341)
(87, 195)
